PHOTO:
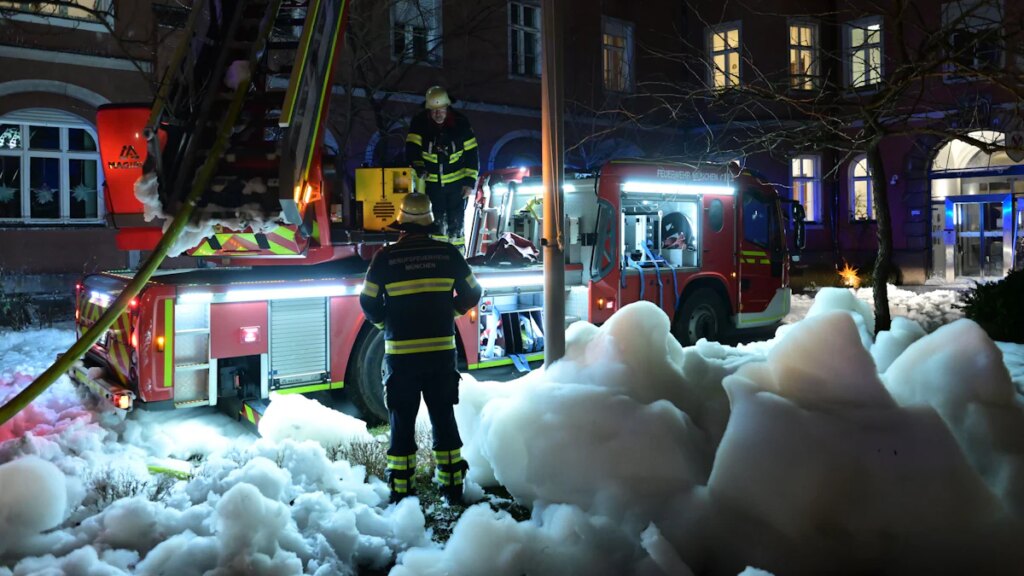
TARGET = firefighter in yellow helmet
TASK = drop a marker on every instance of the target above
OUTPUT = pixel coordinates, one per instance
(442, 149)
(412, 290)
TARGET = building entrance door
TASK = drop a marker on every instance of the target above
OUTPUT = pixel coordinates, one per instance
(979, 241)
(982, 233)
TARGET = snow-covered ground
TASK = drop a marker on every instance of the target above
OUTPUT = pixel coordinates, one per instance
(824, 450)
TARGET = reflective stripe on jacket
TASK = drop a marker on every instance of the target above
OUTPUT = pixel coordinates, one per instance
(412, 289)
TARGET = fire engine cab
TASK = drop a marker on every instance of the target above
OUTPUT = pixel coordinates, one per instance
(275, 309)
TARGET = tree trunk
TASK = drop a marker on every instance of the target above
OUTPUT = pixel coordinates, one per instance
(883, 219)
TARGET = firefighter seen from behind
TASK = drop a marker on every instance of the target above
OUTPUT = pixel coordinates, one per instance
(413, 290)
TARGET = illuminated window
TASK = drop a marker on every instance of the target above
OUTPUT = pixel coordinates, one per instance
(803, 56)
(93, 15)
(617, 52)
(863, 52)
(524, 39)
(724, 55)
(973, 29)
(806, 174)
(862, 198)
(49, 172)
(416, 31)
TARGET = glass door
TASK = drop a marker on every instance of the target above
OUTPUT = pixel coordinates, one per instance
(979, 239)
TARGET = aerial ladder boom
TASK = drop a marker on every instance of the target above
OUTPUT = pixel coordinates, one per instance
(265, 195)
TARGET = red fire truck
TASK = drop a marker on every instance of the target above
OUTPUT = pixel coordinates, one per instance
(276, 307)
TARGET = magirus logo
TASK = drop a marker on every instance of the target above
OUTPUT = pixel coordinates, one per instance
(128, 159)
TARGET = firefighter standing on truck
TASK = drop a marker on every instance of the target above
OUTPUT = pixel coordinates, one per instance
(408, 293)
(442, 149)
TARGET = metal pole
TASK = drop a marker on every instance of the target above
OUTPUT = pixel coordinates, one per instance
(551, 133)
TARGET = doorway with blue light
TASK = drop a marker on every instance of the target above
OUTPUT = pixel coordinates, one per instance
(977, 212)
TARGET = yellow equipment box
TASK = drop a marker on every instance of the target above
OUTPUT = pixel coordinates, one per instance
(380, 190)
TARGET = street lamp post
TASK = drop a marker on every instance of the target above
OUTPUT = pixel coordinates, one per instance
(551, 133)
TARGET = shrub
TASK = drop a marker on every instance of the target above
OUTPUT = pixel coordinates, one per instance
(110, 485)
(373, 455)
(15, 309)
(998, 307)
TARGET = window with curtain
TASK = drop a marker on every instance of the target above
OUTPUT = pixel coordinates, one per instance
(416, 31)
(724, 55)
(73, 9)
(862, 201)
(617, 54)
(803, 56)
(805, 172)
(524, 39)
(863, 52)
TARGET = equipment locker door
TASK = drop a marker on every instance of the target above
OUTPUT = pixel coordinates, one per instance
(298, 342)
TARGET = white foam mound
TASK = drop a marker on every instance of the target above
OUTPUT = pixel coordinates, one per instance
(33, 498)
(959, 371)
(249, 217)
(819, 452)
(296, 417)
(592, 401)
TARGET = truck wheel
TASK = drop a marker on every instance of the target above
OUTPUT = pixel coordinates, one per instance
(365, 386)
(702, 315)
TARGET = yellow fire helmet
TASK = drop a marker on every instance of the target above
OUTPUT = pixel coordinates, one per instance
(416, 210)
(437, 98)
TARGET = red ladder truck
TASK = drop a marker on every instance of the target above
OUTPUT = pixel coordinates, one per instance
(705, 243)
(278, 312)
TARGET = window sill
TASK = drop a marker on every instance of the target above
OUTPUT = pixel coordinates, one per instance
(805, 91)
(867, 90)
(414, 62)
(524, 77)
(966, 78)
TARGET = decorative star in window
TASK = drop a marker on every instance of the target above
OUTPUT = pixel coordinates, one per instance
(44, 194)
(6, 193)
(83, 193)
(11, 138)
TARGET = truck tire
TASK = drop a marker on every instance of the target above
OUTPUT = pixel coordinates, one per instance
(365, 384)
(702, 315)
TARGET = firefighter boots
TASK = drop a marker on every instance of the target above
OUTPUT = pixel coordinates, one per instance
(400, 476)
(451, 471)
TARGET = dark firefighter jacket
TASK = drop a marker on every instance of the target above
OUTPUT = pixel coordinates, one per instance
(444, 155)
(408, 292)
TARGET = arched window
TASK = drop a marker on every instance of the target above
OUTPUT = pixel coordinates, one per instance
(862, 198)
(49, 169)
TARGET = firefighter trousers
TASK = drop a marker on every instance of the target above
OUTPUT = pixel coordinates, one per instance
(439, 391)
(449, 208)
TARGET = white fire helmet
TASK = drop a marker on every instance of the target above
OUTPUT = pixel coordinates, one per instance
(416, 210)
(437, 98)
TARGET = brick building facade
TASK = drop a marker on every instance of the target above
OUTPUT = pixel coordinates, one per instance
(627, 66)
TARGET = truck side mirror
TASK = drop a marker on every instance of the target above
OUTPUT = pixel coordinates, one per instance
(800, 229)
